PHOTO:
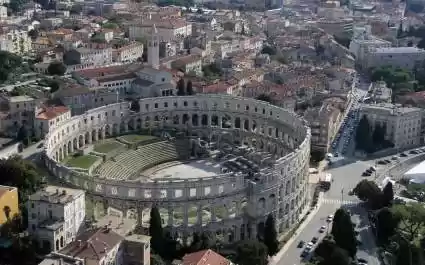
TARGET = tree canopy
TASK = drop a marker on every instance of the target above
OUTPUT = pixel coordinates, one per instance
(56, 68)
(270, 236)
(180, 87)
(388, 194)
(368, 191)
(343, 232)
(385, 224)
(411, 219)
(156, 232)
(328, 253)
(20, 173)
(251, 252)
(11, 67)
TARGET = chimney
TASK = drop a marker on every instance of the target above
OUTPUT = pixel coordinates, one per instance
(80, 243)
(64, 192)
(57, 191)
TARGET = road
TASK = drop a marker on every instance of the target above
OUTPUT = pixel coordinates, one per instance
(345, 178)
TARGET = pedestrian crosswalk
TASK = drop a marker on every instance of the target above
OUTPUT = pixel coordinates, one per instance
(336, 201)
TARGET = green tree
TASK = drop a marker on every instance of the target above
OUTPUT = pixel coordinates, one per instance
(23, 135)
(411, 219)
(363, 134)
(404, 253)
(156, 232)
(20, 173)
(343, 232)
(251, 252)
(269, 50)
(266, 98)
(385, 224)
(33, 34)
(388, 194)
(368, 191)
(339, 256)
(189, 88)
(180, 88)
(325, 248)
(56, 68)
(270, 236)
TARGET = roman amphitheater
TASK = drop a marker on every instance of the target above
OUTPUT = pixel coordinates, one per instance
(208, 162)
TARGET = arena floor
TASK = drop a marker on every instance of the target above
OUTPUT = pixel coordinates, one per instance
(195, 169)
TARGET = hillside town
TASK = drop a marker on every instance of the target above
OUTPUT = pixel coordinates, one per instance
(212, 132)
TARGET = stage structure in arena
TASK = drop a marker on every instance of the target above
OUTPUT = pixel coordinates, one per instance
(208, 162)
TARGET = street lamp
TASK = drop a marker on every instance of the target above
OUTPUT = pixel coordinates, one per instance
(342, 196)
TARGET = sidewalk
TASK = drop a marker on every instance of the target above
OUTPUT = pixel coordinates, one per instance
(276, 258)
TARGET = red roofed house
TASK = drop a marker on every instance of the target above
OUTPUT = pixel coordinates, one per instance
(50, 117)
(205, 257)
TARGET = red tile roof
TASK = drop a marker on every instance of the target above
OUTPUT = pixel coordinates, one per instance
(205, 257)
(49, 113)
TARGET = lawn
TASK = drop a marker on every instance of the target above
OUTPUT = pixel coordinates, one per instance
(107, 147)
(82, 161)
(135, 138)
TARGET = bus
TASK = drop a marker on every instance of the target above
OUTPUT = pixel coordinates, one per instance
(326, 181)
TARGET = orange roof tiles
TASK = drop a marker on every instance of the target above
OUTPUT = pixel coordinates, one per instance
(205, 257)
(49, 113)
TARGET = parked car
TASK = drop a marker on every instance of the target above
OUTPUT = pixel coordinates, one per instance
(366, 174)
(322, 229)
(314, 240)
(403, 155)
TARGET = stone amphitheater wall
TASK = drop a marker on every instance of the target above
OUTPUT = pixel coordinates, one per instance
(281, 191)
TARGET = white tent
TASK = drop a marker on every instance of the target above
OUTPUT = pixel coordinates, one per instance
(417, 173)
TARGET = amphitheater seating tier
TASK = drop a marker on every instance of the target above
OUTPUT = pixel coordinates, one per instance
(130, 163)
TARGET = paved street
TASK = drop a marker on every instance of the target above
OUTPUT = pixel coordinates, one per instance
(345, 178)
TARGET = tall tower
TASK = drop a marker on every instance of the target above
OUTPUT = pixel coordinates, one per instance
(153, 49)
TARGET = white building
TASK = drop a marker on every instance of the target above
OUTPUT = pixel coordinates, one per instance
(55, 216)
(168, 29)
(15, 112)
(396, 57)
(48, 118)
(363, 42)
(403, 124)
(16, 41)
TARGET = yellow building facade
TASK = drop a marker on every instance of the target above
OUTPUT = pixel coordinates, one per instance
(9, 203)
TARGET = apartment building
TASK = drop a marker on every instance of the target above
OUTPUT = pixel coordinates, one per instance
(168, 29)
(15, 112)
(128, 53)
(97, 57)
(15, 41)
(80, 98)
(48, 118)
(55, 216)
(403, 124)
(396, 57)
(103, 246)
(324, 121)
(363, 42)
(188, 64)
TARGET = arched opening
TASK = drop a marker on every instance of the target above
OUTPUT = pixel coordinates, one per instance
(204, 120)
(254, 126)
(214, 120)
(107, 130)
(195, 119)
(246, 125)
(176, 119)
(185, 118)
(226, 122)
(238, 123)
